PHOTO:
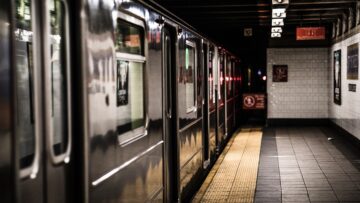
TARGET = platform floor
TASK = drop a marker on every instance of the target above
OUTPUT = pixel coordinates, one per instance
(292, 164)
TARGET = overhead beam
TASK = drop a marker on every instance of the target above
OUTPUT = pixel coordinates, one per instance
(321, 2)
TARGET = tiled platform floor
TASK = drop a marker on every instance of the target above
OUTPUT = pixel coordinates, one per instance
(296, 164)
(302, 165)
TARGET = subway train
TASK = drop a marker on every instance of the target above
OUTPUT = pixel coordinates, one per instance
(109, 101)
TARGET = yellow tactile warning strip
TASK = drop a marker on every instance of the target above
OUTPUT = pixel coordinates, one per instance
(233, 178)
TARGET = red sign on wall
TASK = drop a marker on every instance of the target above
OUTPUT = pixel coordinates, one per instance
(253, 101)
(310, 33)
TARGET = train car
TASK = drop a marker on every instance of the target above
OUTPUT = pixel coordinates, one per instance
(109, 101)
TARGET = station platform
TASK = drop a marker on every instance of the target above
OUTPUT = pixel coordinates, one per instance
(284, 164)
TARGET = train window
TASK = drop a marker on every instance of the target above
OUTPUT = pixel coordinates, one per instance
(130, 82)
(229, 78)
(129, 38)
(221, 79)
(59, 78)
(130, 95)
(25, 118)
(212, 79)
(190, 76)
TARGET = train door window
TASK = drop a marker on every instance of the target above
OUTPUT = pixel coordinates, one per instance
(190, 76)
(221, 79)
(211, 79)
(229, 78)
(59, 77)
(25, 118)
(132, 121)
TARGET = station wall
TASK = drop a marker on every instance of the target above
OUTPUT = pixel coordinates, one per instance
(346, 115)
(306, 93)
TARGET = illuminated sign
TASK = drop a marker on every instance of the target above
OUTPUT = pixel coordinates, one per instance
(277, 22)
(310, 33)
(253, 101)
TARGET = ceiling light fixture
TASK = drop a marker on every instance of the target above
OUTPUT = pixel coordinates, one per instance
(276, 30)
(275, 35)
(277, 22)
(280, 2)
(279, 13)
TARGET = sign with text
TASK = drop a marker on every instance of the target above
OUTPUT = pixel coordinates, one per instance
(337, 77)
(280, 73)
(310, 33)
(353, 62)
(254, 101)
(352, 87)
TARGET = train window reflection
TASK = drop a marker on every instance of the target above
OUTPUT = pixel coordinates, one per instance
(129, 38)
(130, 99)
(229, 78)
(58, 76)
(211, 79)
(25, 121)
(190, 76)
(222, 78)
(130, 82)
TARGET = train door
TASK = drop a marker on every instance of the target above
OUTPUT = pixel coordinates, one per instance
(42, 100)
(206, 120)
(7, 138)
(211, 97)
(221, 99)
(171, 148)
(27, 96)
(58, 102)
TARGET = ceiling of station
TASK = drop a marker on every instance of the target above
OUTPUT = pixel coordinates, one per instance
(235, 13)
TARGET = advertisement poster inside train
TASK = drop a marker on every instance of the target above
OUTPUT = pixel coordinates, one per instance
(353, 62)
(280, 73)
(337, 77)
(122, 83)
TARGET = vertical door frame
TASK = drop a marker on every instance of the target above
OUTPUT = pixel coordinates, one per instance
(170, 115)
(205, 104)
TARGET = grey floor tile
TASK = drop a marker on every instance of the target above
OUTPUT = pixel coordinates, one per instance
(319, 189)
(295, 198)
(292, 183)
(343, 185)
(268, 194)
(270, 177)
(354, 176)
(317, 184)
(330, 170)
(268, 188)
(311, 170)
(294, 191)
(348, 195)
(267, 200)
(268, 182)
(313, 175)
(337, 177)
(325, 202)
(326, 196)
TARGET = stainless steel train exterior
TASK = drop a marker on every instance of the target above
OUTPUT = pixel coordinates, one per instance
(109, 101)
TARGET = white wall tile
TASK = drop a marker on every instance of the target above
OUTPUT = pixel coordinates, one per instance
(346, 115)
(305, 95)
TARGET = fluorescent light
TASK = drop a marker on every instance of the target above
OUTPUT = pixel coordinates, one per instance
(275, 35)
(277, 22)
(279, 13)
(280, 2)
(276, 29)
